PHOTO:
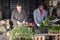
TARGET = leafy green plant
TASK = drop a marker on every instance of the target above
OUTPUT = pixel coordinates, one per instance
(44, 23)
(21, 32)
(54, 29)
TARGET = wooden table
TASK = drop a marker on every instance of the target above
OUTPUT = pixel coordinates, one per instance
(42, 36)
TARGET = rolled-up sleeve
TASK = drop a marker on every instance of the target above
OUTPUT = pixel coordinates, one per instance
(35, 17)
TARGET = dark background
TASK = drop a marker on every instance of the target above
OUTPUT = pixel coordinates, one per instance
(8, 6)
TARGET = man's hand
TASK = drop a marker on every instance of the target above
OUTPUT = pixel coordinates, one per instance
(23, 22)
(38, 25)
(18, 23)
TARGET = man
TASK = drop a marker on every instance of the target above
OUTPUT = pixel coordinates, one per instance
(18, 15)
(56, 11)
(40, 14)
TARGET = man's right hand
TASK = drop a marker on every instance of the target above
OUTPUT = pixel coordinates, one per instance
(18, 22)
(38, 25)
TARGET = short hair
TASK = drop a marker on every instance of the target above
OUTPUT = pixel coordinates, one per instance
(18, 4)
(41, 4)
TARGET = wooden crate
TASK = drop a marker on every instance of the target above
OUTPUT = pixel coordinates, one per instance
(43, 36)
(39, 38)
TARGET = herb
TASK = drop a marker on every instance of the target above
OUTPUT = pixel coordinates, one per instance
(21, 32)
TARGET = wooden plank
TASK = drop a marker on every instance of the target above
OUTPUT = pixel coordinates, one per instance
(56, 38)
(46, 34)
(43, 37)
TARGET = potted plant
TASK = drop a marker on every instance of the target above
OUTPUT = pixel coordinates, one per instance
(21, 33)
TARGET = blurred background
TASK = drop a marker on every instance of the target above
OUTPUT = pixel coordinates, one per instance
(7, 6)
